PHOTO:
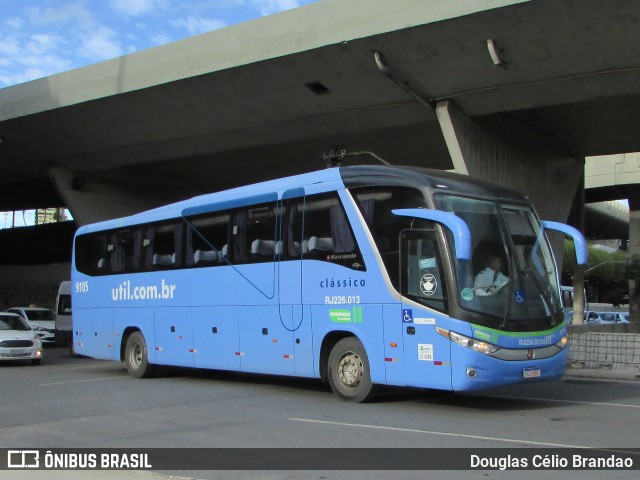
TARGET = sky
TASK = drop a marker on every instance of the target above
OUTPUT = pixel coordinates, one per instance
(39, 38)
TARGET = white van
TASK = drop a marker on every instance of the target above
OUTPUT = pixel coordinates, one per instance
(63, 314)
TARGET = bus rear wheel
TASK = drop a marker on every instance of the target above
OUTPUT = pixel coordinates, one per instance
(136, 357)
(349, 374)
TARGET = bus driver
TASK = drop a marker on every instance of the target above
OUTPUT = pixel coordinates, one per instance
(490, 280)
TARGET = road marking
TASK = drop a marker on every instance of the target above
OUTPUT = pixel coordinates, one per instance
(431, 432)
(450, 434)
(86, 367)
(556, 400)
(80, 381)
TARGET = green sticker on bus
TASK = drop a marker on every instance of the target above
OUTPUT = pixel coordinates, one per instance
(346, 316)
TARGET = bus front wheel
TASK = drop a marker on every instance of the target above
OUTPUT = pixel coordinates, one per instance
(136, 357)
(349, 375)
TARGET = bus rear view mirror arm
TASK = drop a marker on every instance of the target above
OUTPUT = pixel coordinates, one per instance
(578, 239)
(457, 226)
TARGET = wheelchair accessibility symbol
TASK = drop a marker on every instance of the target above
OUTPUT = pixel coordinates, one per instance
(407, 316)
(520, 298)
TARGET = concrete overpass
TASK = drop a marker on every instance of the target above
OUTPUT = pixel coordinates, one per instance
(518, 92)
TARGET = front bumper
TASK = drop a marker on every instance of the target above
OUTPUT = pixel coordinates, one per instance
(21, 353)
(474, 371)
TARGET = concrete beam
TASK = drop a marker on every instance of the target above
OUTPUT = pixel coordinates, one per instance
(612, 170)
(290, 32)
(94, 198)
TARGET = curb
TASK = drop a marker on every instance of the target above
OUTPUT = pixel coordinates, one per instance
(628, 375)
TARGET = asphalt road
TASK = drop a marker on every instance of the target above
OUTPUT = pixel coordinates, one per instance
(81, 402)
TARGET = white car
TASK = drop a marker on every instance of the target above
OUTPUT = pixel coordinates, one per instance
(18, 341)
(42, 320)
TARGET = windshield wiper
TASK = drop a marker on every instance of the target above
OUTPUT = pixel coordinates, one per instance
(514, 273)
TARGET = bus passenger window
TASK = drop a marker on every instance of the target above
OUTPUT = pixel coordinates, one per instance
(92, 257)
(124, 251)
(328, 236)
(254, 234)
(207, 240)
(164, 246)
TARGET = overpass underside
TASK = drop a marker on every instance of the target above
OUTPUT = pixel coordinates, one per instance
(516, 92)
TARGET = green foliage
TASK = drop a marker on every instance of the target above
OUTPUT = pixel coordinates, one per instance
(609, 265)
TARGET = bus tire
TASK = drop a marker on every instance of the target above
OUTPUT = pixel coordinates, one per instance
(349, 374)
(136, 357)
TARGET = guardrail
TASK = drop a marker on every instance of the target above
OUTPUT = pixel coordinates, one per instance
(614, 347)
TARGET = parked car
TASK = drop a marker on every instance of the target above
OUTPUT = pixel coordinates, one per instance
(609, 318)
(622, 317)
(592, 317)
(18, 341)
(42, 320)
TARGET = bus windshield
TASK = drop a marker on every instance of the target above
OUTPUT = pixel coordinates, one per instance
(512, 275)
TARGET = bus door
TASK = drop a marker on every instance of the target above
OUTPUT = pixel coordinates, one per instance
(293, 314)
(427, 355)
(266, 344)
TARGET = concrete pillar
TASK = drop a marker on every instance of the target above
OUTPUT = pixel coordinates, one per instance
(633, 254)
(530, 161)
(577, 218)
(514, 155)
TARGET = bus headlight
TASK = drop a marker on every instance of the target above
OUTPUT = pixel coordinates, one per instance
(472, 343)
(563, 342)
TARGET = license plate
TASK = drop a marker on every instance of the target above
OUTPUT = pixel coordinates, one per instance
(16, 351)
(530, 373)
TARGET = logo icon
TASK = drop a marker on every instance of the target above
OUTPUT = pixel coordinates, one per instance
(23, 459)
(428, 284)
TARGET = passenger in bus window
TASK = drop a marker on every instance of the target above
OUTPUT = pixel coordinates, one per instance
(490, 280)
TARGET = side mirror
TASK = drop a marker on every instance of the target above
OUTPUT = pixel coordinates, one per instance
(578, 239)
(457, 226)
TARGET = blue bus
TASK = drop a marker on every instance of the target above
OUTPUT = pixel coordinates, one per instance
(360, 276)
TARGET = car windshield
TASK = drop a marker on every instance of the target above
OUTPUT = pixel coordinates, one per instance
(512, 275)
(35, 315)
(13, 323)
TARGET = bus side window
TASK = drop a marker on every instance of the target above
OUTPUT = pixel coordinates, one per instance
(92, 257)
(328, 236)
(254, 235)
(207, 240)
(166, 246)
(124, 251)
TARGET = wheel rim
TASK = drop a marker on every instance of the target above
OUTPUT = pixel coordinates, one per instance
(136, 355)
(350, 370)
